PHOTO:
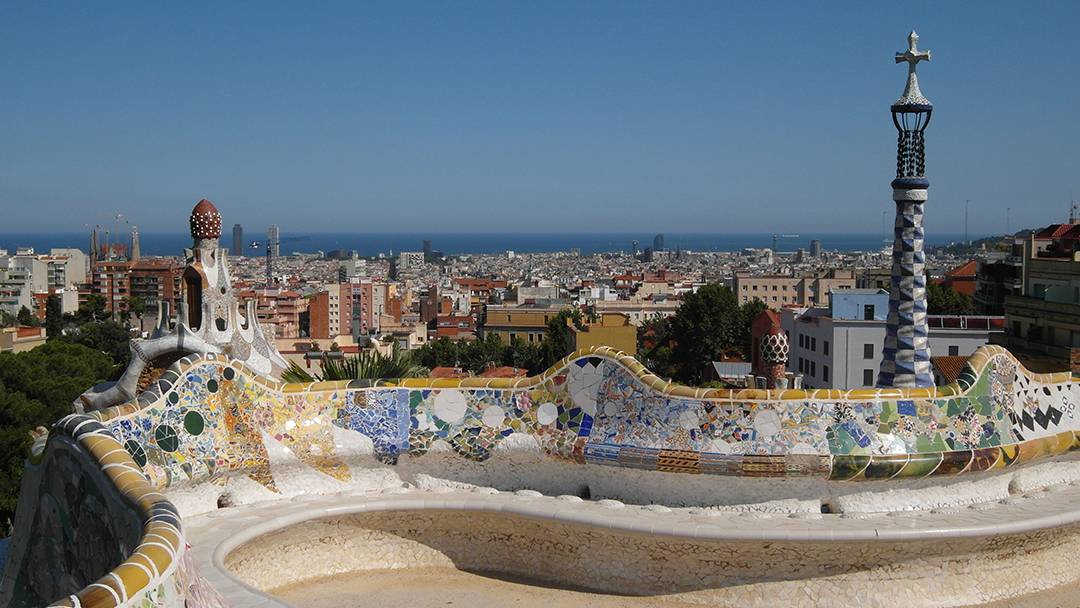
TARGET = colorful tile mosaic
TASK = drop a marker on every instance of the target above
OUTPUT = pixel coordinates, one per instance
(210, 417)
(600, 408)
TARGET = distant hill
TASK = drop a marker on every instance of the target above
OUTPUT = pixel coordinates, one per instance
(1001, 242)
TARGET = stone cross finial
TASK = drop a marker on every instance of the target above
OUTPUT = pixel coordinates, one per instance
(912, 55)
(912, 95)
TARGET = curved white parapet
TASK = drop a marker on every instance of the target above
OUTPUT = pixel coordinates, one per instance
(693, 556)
(210, 432)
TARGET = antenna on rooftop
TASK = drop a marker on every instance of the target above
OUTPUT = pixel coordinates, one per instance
(967, 241)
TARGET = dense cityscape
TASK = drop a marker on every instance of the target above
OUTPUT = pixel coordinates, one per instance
(312, 303)
(425, 408)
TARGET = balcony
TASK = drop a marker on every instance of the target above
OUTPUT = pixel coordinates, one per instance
(965, 322)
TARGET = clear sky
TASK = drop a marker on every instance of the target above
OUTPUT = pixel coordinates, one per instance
(530, 117)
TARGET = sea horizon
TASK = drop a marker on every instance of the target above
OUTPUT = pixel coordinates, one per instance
(462, 243)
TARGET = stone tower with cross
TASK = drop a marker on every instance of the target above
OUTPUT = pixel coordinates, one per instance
(905, 356)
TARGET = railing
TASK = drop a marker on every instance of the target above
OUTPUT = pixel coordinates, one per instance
(965, 322)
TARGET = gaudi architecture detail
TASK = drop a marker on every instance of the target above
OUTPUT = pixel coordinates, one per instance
(905, 357)
(167, 489)
(208, 321)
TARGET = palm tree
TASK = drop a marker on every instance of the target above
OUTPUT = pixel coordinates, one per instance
(367, 365)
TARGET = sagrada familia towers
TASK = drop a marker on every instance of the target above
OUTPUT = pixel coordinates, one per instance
(905, 357)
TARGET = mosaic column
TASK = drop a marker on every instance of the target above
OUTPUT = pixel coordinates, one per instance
(905, 355)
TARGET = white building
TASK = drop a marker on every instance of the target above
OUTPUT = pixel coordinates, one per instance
(639, 311)
(840, 346)
(27, 273)
(410, 259)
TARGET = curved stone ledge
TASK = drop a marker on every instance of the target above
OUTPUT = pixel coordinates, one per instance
(958, 558)
(50, 527)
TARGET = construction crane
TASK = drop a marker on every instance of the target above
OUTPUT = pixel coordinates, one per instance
(267, 246)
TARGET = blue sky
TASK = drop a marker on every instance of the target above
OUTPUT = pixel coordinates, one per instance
(529, 117)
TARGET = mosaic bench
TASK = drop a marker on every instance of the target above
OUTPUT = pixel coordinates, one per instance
(210, 421)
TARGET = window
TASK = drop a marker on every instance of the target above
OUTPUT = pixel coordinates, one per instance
(954, 351)
(774, 287)
(813, 368)
(813, 344)
(825, 373)
(868, 312)
(867, 351)
(868, 377)
(801, 340)
(825, 347)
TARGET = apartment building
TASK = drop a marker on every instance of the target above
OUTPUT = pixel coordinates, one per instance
(330, 312)
(639, 310)
(777, 291)
(27, 277)
(1000, 274)
(611, 329)
(839, 346)
(1045, 319)
(526, 322)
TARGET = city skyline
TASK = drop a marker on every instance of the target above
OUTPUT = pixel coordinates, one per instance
(491, 118)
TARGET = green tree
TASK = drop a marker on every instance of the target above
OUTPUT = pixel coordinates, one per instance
(108, 337)
(441, 352)
(37, 388)
(941, 300)
(481, 354)
(525, 355)
(26, 318)
(748, 312)
(559, 338)
(367, 365)
(135, 306)
(708, 325)
(90, 310)
(54, 317)
(654, 351)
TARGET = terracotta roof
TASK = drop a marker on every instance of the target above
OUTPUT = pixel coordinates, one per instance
(949, 366)
(967, 269)
(154, 264)
(1057, 231)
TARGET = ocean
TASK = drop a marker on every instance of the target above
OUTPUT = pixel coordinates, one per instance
(489, 242)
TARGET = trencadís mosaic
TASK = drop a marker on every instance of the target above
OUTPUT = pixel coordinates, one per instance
(212, 417)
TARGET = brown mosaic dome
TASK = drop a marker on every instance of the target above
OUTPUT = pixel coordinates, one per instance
(205, 221)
